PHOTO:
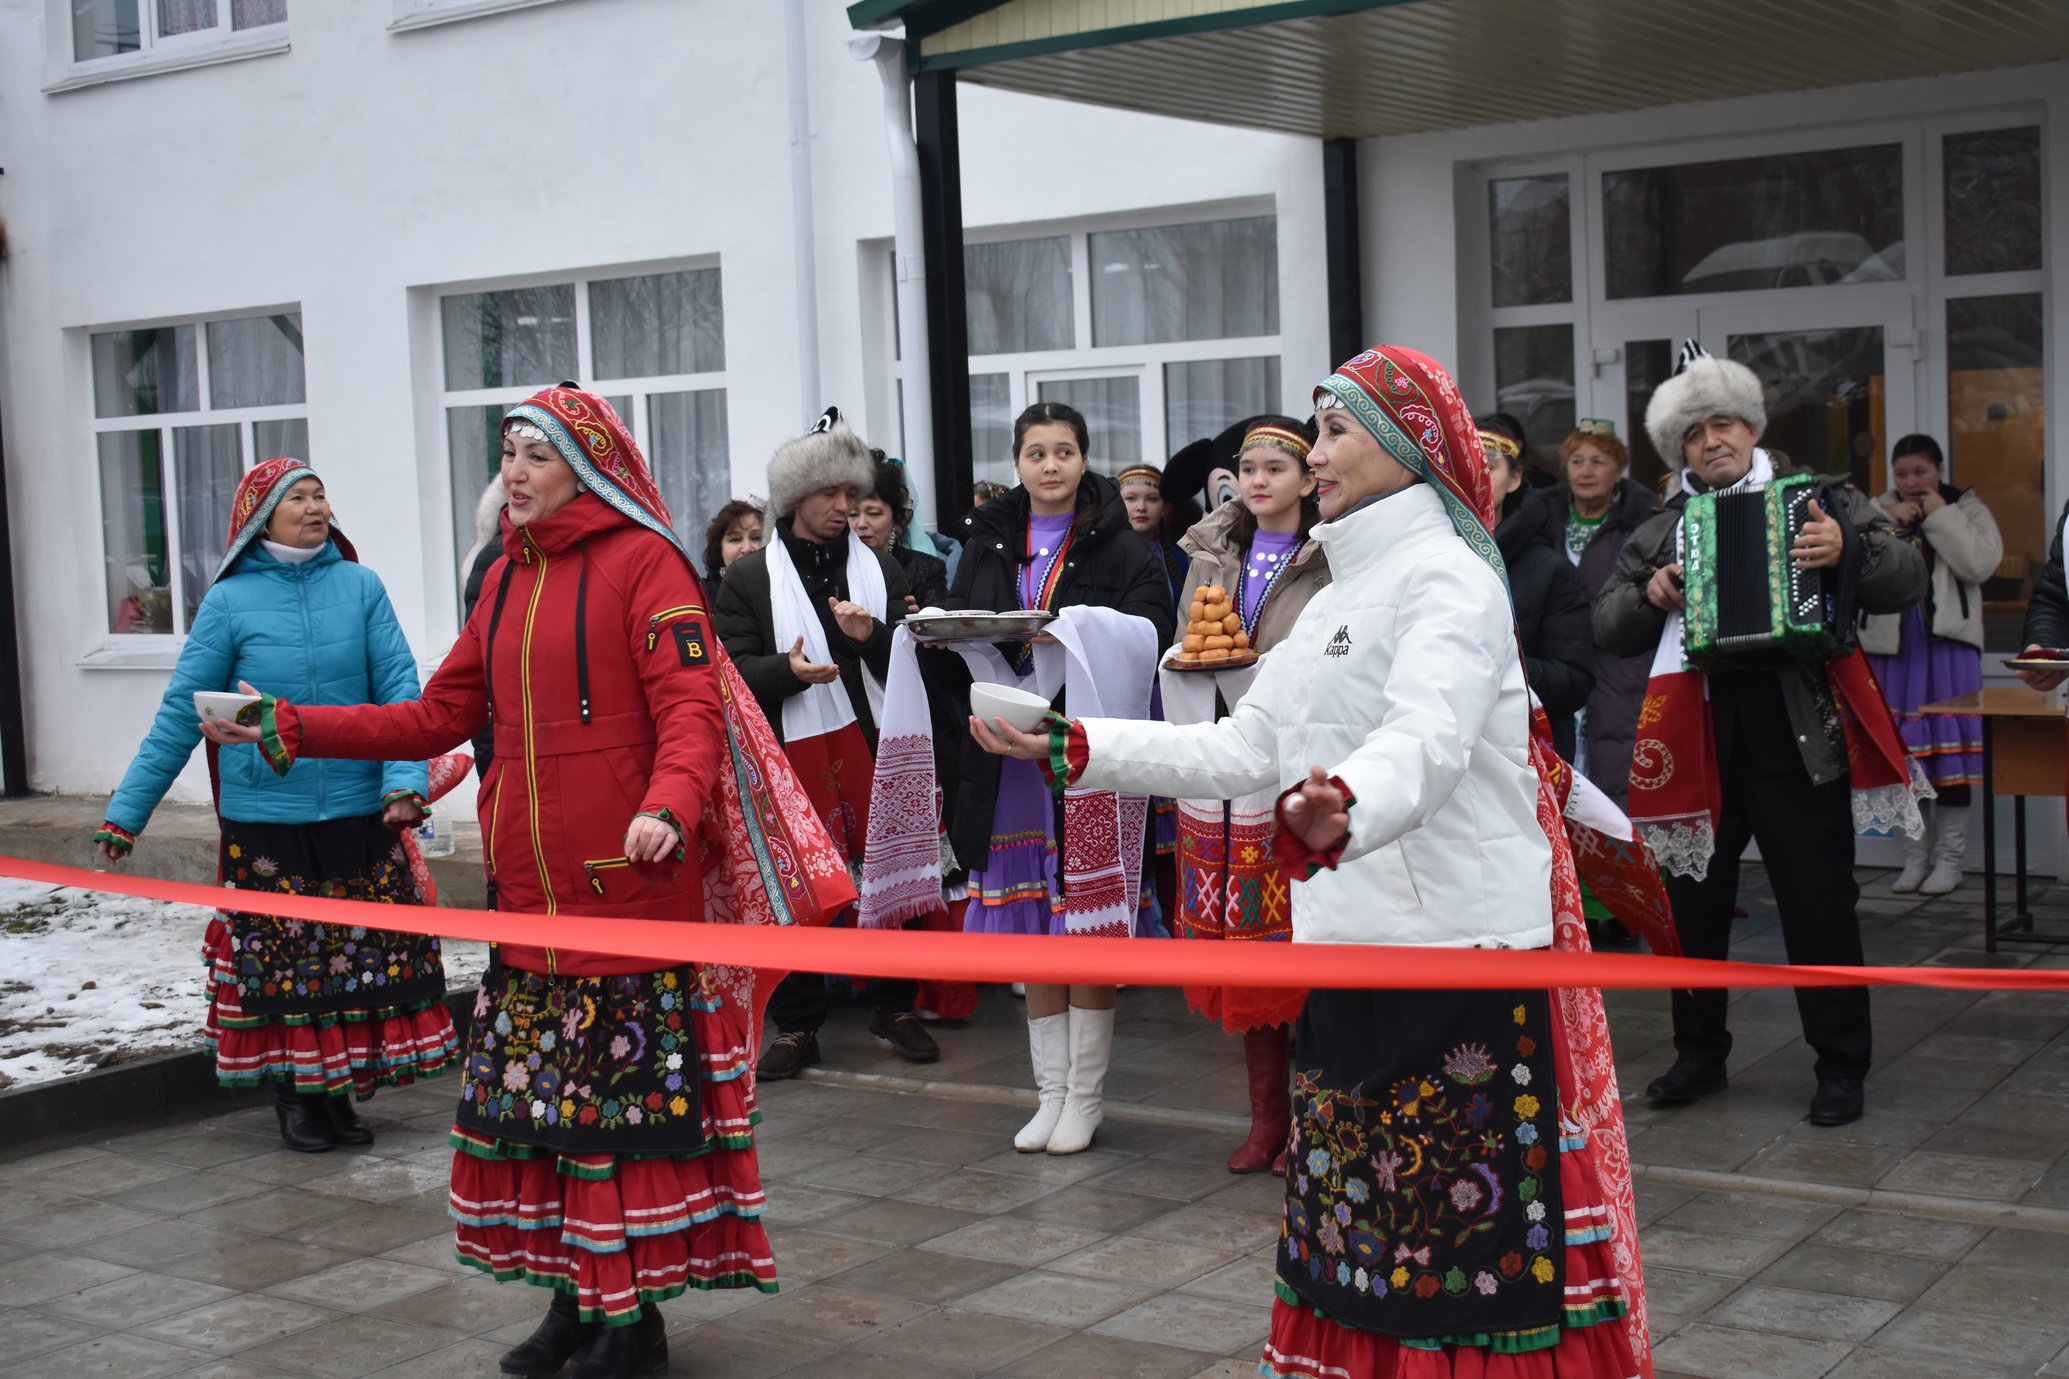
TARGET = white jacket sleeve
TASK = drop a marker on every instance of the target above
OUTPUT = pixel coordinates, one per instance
(1223, 760)
(1964, 535)
(1454, 648)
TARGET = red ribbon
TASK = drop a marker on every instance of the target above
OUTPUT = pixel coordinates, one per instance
(1049, 960)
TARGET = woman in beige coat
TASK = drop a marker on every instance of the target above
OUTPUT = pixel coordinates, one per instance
(1257, 553)
(1935, 651)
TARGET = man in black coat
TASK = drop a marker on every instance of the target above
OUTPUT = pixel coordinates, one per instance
(813, 483)
(1781, 758)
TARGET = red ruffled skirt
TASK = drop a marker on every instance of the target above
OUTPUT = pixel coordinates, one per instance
(1590, 1341)
(335, 1052)
(622, 1230)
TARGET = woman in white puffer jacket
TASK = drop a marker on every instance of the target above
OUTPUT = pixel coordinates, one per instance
(1457, 1177)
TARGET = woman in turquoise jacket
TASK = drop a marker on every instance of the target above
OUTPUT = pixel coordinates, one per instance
(320, 1009)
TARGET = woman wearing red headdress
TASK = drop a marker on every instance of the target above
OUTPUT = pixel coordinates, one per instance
(321, 1009)
(1458, 1196)
(604, 1146)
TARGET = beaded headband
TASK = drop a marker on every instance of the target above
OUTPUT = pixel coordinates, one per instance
(1138, 473)
(1292, 442)
(1500, 444)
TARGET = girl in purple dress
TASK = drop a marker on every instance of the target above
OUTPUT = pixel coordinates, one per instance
(1935, 651)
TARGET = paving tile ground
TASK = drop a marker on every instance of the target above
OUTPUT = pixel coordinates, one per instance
(1930, 1239)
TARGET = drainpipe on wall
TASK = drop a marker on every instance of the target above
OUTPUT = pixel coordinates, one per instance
(14, 748)
(910, 257)
(801, 222)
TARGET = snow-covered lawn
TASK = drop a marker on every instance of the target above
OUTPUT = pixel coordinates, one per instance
(88, 979)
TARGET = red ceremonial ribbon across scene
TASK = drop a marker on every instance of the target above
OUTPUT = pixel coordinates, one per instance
(1045, 959)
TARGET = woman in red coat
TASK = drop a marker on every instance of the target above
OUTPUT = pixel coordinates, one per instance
(604, 1140)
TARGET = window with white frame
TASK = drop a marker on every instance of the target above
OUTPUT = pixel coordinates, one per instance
(117, 28)
(180, 412)
(1161, 333)
(652, 343)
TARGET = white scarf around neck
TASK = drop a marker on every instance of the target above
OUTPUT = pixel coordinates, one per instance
(822, 709)
(290, 555)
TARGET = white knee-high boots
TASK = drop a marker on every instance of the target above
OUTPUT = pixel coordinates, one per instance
(1048, 1045)
(1918, 855)
(1950, 847)
(1084, 1102)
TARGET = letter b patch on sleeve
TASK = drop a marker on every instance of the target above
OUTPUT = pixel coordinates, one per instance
(690, 644)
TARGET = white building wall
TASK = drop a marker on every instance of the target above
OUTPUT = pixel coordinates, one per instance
(362, 170)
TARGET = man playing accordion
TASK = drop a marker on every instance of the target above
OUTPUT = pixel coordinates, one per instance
(1758, 750)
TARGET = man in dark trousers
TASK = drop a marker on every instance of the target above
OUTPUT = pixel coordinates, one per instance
(1780, 754)
(807, 619)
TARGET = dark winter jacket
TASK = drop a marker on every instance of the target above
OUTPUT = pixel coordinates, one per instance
(746, 622)
(926, 576)
(1552, 616)
(1612, 721)
(1107, 566)
(2047, 613)
(1891, 579)
(604, 689)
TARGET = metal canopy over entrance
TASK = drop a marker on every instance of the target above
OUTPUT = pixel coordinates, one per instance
(1367, 68)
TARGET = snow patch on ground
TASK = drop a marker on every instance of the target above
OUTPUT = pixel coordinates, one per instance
(88, 979)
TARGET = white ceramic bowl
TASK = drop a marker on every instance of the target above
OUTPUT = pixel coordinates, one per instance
(212, 704)
(1023, 710)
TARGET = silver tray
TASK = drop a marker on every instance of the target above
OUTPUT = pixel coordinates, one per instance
(976, 625)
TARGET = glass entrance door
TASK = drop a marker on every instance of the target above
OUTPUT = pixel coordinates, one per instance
(1840, 378)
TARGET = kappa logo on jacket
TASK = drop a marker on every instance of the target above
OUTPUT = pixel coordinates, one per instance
(1340, 644)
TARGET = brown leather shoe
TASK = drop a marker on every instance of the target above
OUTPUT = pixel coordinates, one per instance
(903, 1031)
(790, 1053)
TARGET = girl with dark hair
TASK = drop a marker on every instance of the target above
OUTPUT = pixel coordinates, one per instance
(1156, 519)
(732, 532)
(1059, 540)
(1935, 651)
(1229, 884)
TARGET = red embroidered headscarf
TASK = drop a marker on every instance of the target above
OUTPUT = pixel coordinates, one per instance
(1409, 403)
(598, 446)
(258, 493)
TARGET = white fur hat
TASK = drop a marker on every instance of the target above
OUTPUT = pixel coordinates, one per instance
(827, 456)
(1702, 387)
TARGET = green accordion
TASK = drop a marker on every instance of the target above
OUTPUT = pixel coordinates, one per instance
(1748, 604)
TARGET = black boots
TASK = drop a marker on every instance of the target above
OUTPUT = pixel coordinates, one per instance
(345, 1125)
(547, 1349)
(621, 1352)
(304, 1121)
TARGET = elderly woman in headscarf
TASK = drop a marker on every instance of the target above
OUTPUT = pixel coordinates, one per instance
(604, 1147)
(1458, 1195)
(322, 1010)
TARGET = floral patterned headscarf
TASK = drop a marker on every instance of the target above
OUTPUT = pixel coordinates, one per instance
(598, 446)
(258, 493)
(1411, 406)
